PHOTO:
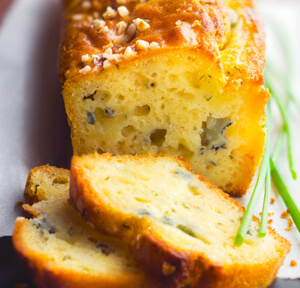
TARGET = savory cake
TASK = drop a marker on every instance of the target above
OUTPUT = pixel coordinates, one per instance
(60, 249)
(168, 77)
(179, 226)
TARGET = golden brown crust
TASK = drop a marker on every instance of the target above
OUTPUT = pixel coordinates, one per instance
(213, 36)
(47, 275)
(153, 253)
(200, 271)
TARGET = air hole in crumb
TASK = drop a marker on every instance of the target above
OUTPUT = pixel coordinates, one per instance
(185, 152)
(158, 137)
(126, 131)
(103, 95)
(60, 180)
(154, 74)
(90, 96)
(141, 110)
(121, 97)
(163, 106)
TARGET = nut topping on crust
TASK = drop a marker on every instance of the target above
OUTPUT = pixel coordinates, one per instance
(98, 24)
(123, 11)
(109, 13)
(129, 53)
(142, 45)
(141, 24)
(86, 69)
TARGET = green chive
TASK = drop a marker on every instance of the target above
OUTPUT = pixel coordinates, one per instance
(277, 149)
(286, 127)
(264, 214)
(286, 196)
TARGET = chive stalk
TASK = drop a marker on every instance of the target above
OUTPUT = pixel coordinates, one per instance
(264, 214)
(286, 196)
(268, 168)
(277, 150)
(284, 81)
(286, 127)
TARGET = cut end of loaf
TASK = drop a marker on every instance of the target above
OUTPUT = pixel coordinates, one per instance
(171, 104)
(168, 214)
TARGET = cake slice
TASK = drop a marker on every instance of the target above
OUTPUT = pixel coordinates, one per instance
(60, 249)
(180, 228)
(168, 77)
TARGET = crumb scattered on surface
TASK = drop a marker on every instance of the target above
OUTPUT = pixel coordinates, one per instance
(288, 229)
(293, 263)
(290, 222)
(19, 204)
(269, 214)
(285, 213)
(270, 221)
(272, 201)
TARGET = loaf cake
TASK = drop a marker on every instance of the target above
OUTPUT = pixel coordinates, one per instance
(179, 227)
(168, 77)
(60, 249)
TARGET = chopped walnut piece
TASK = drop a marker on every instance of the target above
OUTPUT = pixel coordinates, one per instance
(96, 15)
(110, 45)
(141, 24)
(123, 11)
(154, 45)
(196, 23)
(104, 29)
(109, 13)
(129, 53)
(108, 51)
(85, 58)
(86, 4)
(142, 45)
(106, 64)
(285, 214)
(293, 263)
(77, 17)
(121, 26)
(86, 69)
(98, 24)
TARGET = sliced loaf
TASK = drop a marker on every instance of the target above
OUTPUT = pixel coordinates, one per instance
(60, 249)
(179, 227)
